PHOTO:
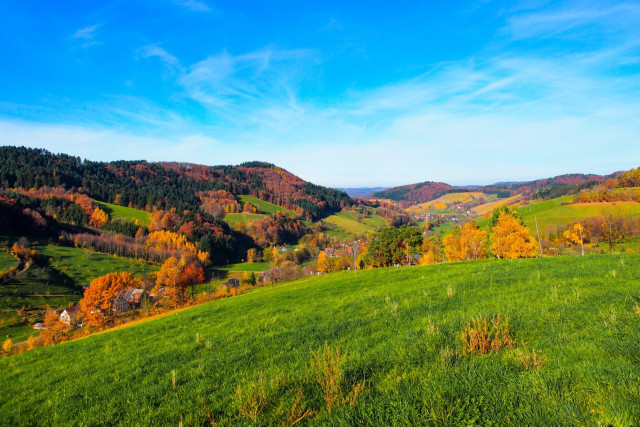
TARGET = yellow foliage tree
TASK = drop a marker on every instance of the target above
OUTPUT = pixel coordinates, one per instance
(467, 242)
(324, 264)
(169, 278)
(7, 345)
(98, 218)
(510, 239)
(473, 240)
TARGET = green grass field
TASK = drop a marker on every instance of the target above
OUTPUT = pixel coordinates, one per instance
(7, 261)
(125, 213)
(84, 266)
(401, 331)
(245, 218)
(246, 266)
(265, 207)
(553, 212)
(561, 211)
(344, 224)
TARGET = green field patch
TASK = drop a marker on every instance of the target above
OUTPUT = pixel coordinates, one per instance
(125, 213)
(244, 218)
(263, 206)
(7, 261)
(561, 211)
(400, 329)
(246, 266)
(345, 223)
(83, 265)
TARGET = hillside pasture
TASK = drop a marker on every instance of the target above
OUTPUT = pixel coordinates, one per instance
(347, 223)
(7, 261)
(264, 206)
(82, 266)
(487, 208)
(574, 320)
(126, 214)
(244, 218)
(442, 202)
(561, 212)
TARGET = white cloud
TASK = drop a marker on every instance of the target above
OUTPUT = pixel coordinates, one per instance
(87, 35)
(195, 5)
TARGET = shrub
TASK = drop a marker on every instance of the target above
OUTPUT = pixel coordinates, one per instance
(251, 398)
(479, 338)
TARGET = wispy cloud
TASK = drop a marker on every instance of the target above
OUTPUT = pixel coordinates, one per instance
(564, 20)
(157, 51)
(195, 5)
(87, 35)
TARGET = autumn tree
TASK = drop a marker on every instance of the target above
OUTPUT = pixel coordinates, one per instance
(252, 255)
(192, 274)
(612, 228)
(99, 305)
(98, 218)
(430, 253)
(577, 234)
(169, 278)
(467, 242)
(511, 239)
(324, 264)
(55, 331)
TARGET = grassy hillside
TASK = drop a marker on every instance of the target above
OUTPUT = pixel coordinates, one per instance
(345, 223)
(451, 198)
(401, 331)
(125, 213)
(245, 218)
(551, 212)
(84, 266)
(265, 207)
(7, 261)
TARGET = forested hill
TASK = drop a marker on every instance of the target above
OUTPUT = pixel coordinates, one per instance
(541, 188)
(416, 193)
(164, 185)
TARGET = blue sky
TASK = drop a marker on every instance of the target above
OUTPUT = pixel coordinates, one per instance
(343, 94)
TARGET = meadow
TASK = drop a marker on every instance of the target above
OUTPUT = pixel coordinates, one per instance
(7, 261)
(83, 265)
(347, 224)
(125, 213)
(264, 206)
(575, 322)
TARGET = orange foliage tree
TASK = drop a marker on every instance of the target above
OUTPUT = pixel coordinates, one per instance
(99, 305)
(192, 274)
(510, 239)
(55, 329)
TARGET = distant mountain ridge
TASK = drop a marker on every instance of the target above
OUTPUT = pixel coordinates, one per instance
(556, 186)
(362, 192)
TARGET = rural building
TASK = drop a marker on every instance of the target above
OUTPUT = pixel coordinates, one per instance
(69, 315)
(232, 283)
(130, 300)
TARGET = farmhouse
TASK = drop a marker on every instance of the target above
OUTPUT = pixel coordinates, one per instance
(130, 300)
(69, 315)
(232, 283)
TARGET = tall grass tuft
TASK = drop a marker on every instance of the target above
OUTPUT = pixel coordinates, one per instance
(326, 367)
(326, 364)
(251, 398)
(479, 338)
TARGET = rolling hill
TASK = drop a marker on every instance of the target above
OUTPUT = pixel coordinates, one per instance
(574, 321)
(547, 187)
